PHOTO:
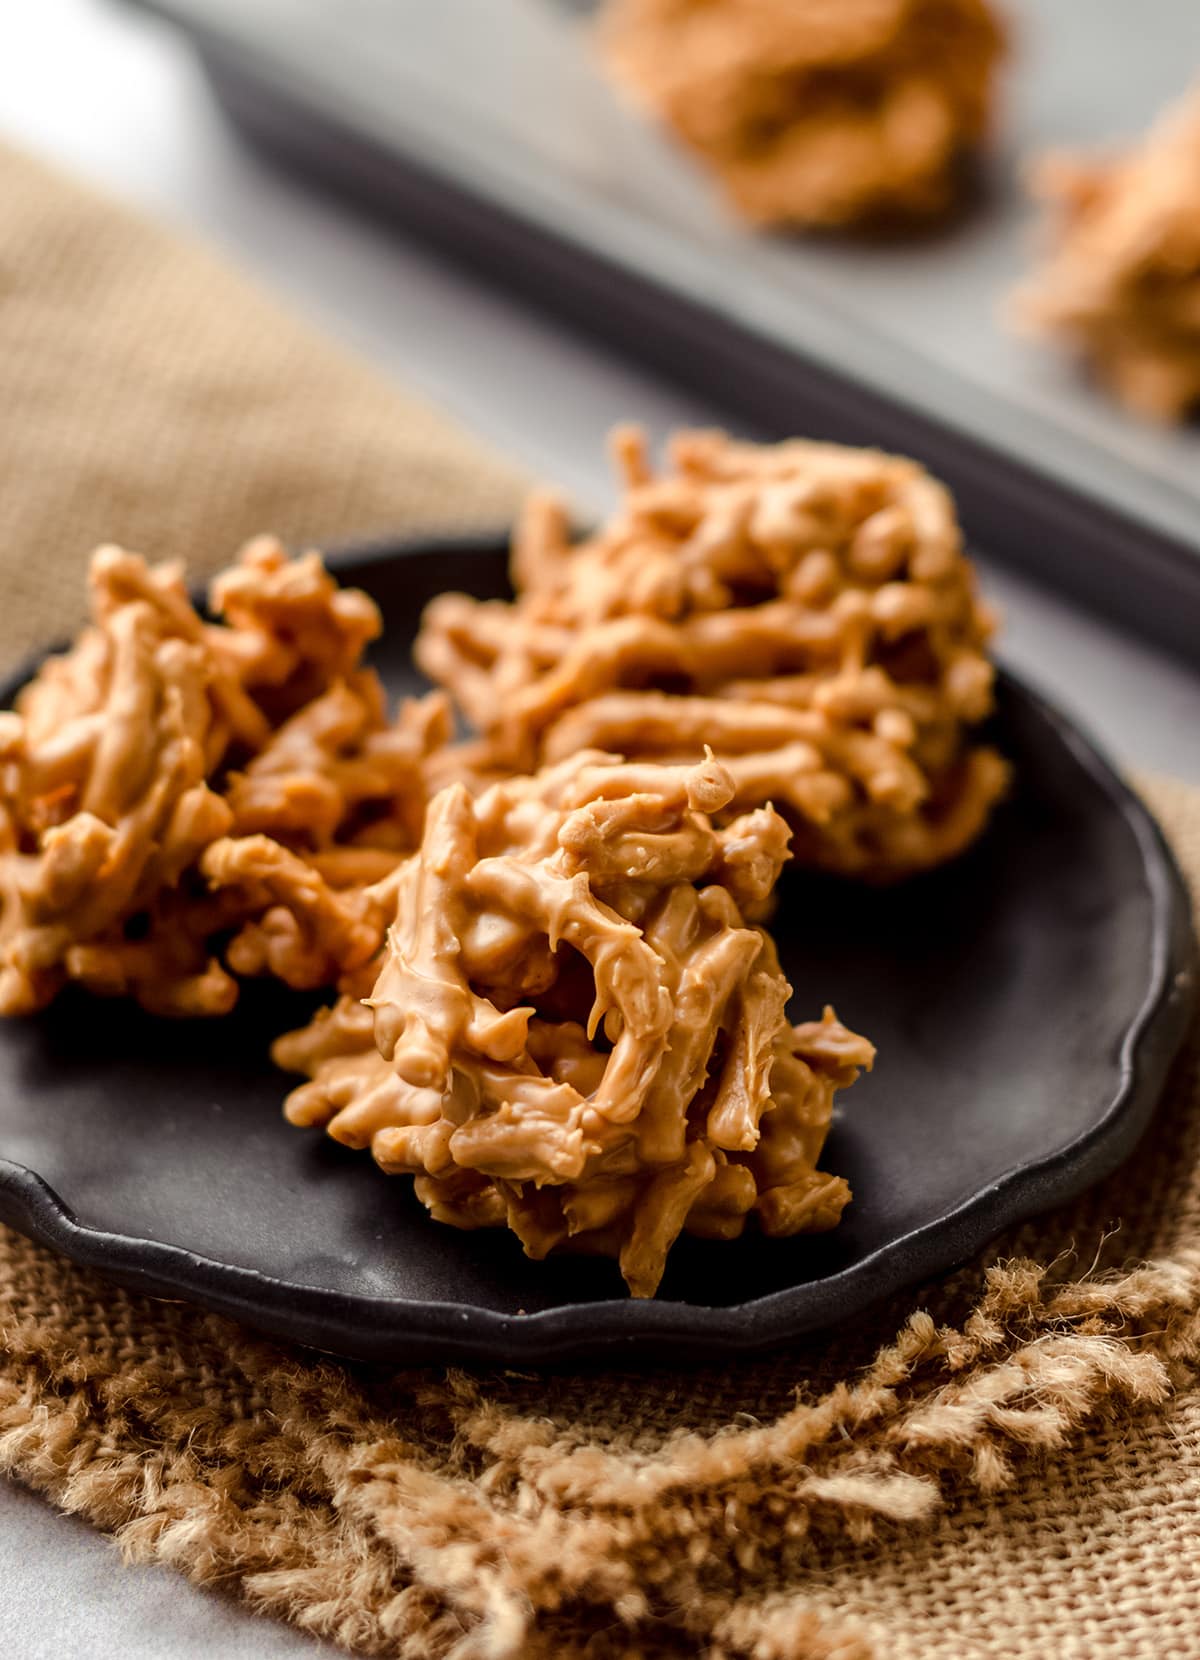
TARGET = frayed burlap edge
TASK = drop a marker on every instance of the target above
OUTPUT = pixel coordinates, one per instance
(500, 1534)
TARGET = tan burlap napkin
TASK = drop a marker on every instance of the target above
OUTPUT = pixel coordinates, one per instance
(1007, 1464)
(152, 397)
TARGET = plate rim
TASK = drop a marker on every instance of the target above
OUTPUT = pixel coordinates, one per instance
(382, 1328)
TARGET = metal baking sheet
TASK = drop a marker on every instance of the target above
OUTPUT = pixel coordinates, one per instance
(487, 124)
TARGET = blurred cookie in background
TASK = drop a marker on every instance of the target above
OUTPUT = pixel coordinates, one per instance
(1121, 281)
(816, 112)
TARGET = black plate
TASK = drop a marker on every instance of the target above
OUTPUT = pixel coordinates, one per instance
(1026, 1002)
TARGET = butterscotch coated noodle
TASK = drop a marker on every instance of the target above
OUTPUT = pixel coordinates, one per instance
(574, 1031)
(170, 783)
(1120, 284)
(805, 609)
(815, 112)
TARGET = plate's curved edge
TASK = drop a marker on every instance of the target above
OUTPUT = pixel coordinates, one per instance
(356, 1325)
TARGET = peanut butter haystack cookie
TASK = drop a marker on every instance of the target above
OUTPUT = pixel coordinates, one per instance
(816, 112)
(1121, 283)
(576, 1033)
(576, 1028)
(184, 800)
(805, 609)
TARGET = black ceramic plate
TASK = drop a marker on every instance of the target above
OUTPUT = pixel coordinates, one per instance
(1026, 1002)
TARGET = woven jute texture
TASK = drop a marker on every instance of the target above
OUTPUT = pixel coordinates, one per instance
(1004, 1464)
(150, 396)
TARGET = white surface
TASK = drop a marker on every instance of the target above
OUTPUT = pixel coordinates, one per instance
(64, 1595)
(119, 99)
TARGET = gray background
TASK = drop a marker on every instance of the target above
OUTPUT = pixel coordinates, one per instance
(506, 97)
(118, 99)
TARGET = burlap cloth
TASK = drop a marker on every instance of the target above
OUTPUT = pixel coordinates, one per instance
(1016, 1473)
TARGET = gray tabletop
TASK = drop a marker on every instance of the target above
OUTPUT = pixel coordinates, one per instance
(118, 99)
